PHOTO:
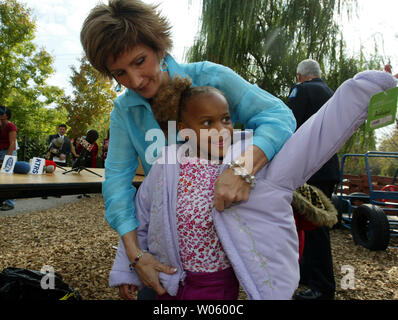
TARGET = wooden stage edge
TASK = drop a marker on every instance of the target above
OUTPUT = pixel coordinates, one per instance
(13, 186)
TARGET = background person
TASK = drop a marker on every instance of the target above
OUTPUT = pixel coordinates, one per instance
(129, 41)
(8, 145)
(90, 159)
(316, 266)
(74, 143)
(60, 152)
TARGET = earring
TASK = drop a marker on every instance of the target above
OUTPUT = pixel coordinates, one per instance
(118, 87)
(163, 65)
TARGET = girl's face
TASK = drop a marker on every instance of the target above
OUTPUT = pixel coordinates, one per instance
(207, 115)
(138, 69)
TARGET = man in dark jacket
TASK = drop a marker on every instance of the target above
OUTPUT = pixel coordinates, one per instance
(59, 147)
(316, 267)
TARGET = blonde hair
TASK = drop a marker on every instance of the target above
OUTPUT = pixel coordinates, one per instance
(109, 30)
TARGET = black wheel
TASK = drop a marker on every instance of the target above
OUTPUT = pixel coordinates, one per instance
(359, 196)
(370, 227)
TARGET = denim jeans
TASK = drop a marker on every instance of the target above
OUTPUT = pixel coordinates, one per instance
(3, 153)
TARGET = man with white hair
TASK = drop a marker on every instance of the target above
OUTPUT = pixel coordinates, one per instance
(316, 266)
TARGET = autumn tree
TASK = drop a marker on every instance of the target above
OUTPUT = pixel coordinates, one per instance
(91, 103)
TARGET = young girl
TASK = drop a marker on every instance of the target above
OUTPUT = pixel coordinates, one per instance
(254, 241)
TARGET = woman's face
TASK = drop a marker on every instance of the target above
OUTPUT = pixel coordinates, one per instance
(138, 69)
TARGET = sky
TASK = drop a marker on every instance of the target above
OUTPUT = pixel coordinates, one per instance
(59, 23)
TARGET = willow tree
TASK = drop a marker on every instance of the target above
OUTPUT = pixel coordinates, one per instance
(264, 40)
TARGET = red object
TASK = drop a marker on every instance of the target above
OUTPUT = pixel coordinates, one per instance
(51, 163)
(93, 152)
(387, 68)
(393, 188)
(4, 135)
(302, 225)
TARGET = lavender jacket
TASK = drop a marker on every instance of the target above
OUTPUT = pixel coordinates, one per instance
(259, 236)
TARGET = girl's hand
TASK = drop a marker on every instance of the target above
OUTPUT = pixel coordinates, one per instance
(127, 291)
(230, 188)
(148, 268)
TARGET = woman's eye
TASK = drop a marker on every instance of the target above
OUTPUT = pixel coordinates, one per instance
(206, 123)
(226, 119)
(118, 74)
(140, 61)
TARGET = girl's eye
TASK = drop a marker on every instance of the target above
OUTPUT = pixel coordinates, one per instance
(226, 119)
(206, 123)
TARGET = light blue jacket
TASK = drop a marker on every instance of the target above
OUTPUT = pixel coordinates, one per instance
(272, 121)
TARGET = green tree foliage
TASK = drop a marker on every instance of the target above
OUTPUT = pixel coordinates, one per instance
(264, 40)
(24, 70)
(91, 103)
(388, 166)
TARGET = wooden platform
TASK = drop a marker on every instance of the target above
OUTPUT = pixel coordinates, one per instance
(360, 183)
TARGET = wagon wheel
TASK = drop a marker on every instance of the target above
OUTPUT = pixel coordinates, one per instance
(355, 198)
(370, 227)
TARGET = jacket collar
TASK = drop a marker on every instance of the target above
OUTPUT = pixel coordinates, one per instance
(173, 67)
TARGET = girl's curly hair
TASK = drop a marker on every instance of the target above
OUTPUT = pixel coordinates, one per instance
(165, 104)
(171, 100)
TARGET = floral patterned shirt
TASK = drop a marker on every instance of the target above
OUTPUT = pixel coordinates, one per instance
(200, 247)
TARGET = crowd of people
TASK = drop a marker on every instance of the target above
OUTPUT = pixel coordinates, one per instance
(215, 210)
(60, 147)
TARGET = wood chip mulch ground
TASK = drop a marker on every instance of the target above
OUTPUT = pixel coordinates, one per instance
(78, 243)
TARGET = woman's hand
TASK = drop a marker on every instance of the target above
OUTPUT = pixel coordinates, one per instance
(230, 188)
(127, 291)
(148, 268)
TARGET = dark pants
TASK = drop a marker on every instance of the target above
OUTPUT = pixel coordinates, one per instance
(147, 294)
(316, 266)
(220, 285)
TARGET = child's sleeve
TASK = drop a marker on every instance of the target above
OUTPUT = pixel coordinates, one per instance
(325, 132)
(120, 273)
